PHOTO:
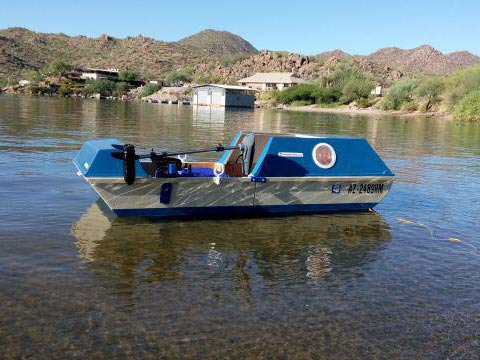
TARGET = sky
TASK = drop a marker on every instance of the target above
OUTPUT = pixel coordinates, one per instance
(307, 27)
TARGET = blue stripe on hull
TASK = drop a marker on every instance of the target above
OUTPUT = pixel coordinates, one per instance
(243, 211)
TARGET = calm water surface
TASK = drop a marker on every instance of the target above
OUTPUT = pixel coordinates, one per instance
(77, 282)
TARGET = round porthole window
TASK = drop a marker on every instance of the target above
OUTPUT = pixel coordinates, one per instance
(324, 155)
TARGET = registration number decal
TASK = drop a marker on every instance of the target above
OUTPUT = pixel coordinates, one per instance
(366, 188)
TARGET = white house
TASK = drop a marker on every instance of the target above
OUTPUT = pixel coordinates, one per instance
(95, 74)
(271, 81)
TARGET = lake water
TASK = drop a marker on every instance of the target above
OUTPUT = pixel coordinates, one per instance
(77, 282)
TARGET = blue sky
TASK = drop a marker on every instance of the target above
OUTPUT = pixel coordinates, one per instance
(307, 27)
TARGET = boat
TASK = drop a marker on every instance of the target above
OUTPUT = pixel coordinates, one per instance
(258, 174)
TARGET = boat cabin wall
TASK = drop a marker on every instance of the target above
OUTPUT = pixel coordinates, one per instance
(295, 157)
(95, 160)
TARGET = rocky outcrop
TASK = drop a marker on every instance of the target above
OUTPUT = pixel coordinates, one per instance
(422, 60)
(302, 66)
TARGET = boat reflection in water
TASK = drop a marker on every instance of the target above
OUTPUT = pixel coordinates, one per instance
(300, 249)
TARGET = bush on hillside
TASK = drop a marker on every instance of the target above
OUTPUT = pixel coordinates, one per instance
(59, 67)
(121, 88)
(32, 75)
(180, 76)
(468, 108)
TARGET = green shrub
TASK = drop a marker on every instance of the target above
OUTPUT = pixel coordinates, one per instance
(58, 66)
(300, 103)
(301, 92)
(399, 93)
(430, 90)
(32, 75)
(209, 79)
(65, 89)
(468, 108)
(229, 60)
(356, 88)
(364, 103)
(460, 84)
(102, 87)
(121, 88)
(148, 89)
(409, 106)
(36, 89)
(326, 95)
(128, 76)
(180, 76)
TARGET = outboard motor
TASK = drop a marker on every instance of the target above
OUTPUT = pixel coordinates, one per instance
(129, 158)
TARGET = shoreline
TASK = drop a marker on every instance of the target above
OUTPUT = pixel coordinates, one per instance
(367, 111)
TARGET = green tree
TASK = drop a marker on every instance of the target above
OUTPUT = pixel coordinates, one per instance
(430, 90)
(59, 67)
(180, 76)
(128, 75)
(400, 93)
(358, 87)
(102, 87)
(148, 89)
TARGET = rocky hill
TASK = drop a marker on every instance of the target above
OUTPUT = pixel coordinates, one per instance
(219, 42)
(305, 67)
(423, 60)
(22, 49)
(207, 52)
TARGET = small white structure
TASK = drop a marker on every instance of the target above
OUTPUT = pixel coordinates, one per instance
(223, 95)
(23, 82)
(96, 74)
(271, 81)
(377, 91)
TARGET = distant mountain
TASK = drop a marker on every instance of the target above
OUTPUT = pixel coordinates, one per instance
(22, 49)
(219, 42)
(423, 60)
(337, 53)
(463, 58)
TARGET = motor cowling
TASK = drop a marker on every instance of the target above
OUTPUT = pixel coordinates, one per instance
(129, 158)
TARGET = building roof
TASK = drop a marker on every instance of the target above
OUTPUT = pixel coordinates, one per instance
(272, 77)
(228, 87)
(95, 70)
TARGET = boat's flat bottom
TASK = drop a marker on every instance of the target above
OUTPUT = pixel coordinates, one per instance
(242, 211)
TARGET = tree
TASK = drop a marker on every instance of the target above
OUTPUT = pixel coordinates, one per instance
(358, 87)
(59, 67)
(179, 76)
(399, 93)
(128, 75)
(148, 89)
(102, 87)
(430, 90)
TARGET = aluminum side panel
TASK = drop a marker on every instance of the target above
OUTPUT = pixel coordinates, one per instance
(201, 192)
(318, 191)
